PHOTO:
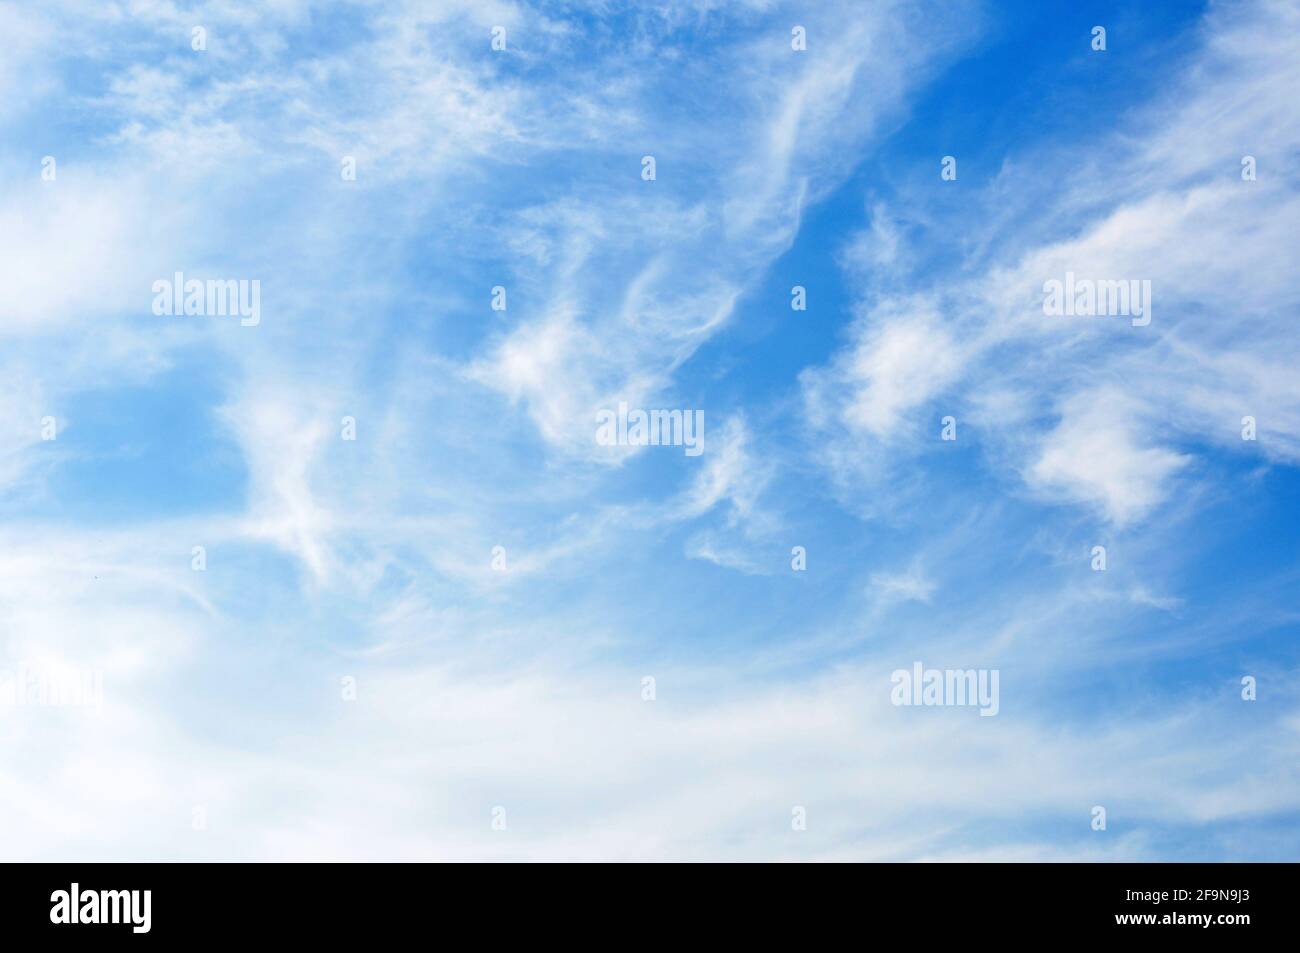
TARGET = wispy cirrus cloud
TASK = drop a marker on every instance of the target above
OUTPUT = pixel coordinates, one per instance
(495, 583)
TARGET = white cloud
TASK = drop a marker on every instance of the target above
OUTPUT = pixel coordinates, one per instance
(281, 438)
(730, 470)
(224, 685)
(904, 359)
(586, 770)
(1095, 456)
(912, 585)
(787, 142)
(1091, 410)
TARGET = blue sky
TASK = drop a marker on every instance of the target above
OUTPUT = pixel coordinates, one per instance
(223, 731)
